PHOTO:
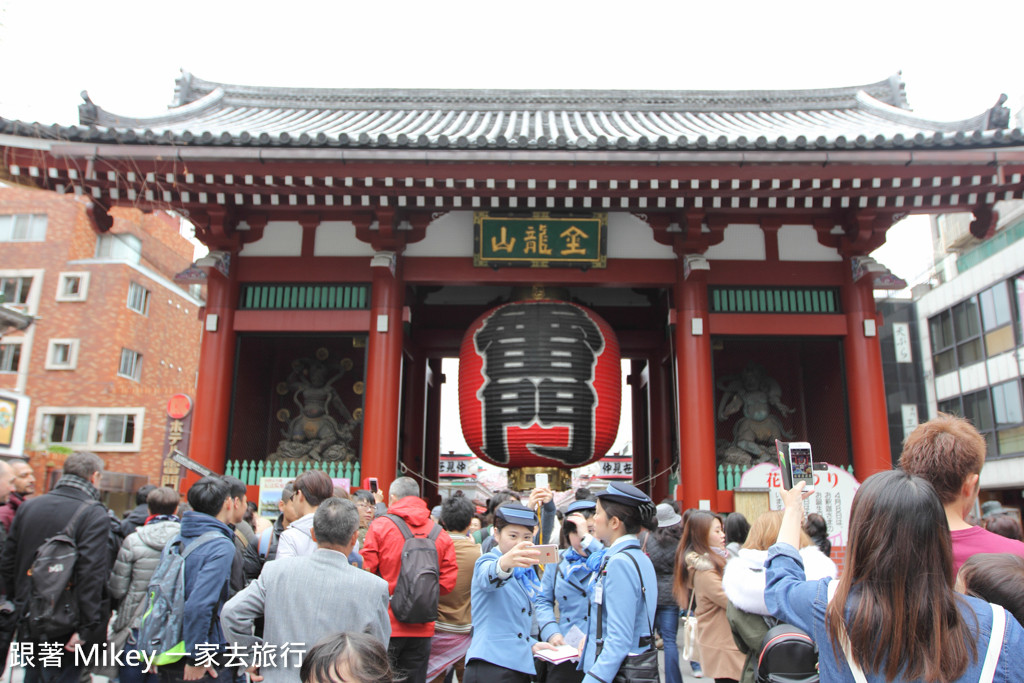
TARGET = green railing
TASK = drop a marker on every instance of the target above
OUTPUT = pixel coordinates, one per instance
(729, 476)
(774, 300)
(990, 247)
(303, 297)
(251, 472)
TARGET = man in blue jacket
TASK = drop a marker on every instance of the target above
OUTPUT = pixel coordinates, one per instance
(207, 573)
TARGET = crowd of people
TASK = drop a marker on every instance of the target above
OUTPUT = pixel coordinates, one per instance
(352, 588)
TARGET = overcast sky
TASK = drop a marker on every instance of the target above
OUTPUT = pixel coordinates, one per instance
(956, 57)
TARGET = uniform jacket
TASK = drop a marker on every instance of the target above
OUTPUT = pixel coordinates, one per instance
(803, 603)
(137, 560)
(502, 618)
(625, 619)
(570, 594)
(207, 574)
(304, 599)
(41, 517)
(382, 555)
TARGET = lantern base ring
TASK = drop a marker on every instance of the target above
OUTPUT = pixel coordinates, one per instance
(523, 478)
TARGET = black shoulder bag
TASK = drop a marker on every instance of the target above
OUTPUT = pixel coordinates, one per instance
(641, 668)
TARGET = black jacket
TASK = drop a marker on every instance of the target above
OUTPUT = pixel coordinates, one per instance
(134, 519)
(40, 518)
(663, 557)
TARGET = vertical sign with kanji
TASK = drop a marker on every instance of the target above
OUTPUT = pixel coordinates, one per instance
(179, 429)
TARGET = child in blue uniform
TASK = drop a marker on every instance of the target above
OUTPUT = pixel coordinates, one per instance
(626, 588)
(568, 586)
(505, 585)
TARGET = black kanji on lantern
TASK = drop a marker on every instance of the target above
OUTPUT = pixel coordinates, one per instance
(538, 364)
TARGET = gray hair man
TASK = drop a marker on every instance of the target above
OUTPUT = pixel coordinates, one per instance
(301, 598)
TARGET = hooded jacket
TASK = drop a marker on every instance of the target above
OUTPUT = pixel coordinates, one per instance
(134, 519)
(744, 585)
(134, 567)
(382, 555)
(207, 574)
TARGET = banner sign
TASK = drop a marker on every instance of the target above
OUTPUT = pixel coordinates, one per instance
(615, 468)
(540, 240)
(834, 489)
(457, 467)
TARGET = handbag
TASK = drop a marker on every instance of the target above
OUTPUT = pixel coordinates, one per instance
(643, 667)
(691, 651)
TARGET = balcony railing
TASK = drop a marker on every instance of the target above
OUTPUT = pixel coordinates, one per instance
(251, 471)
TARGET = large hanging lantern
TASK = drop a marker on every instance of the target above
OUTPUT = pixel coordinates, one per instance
(540, 387)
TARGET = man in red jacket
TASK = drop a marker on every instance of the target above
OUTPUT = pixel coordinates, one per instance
(409, 648)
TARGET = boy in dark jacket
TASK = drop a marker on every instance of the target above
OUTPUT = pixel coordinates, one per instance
(207, 573)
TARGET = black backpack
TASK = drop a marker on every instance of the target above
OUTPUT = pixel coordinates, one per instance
(788, 655)
(53, 601)
(419, 576)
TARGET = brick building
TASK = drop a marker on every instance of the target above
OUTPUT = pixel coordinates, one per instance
(114, 337)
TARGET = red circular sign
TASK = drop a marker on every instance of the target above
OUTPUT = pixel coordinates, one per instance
(179, 406)
(540, 384)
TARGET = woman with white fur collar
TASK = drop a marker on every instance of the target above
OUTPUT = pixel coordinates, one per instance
(744, 584)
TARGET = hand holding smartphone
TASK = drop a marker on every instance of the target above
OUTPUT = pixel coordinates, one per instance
(796, 463)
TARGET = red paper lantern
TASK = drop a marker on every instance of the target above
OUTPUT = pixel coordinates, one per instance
(540, 385)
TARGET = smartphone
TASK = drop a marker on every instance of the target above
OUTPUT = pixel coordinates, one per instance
(540, 481)
(796, 463)
(373, 484)
(548, 553)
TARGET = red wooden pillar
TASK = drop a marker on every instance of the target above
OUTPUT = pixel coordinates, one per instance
(696, 407)
(641, 453)
(659, 410)
(216, 373)
(383, 374)
(869, 423)
(432, 445)
(414, 403)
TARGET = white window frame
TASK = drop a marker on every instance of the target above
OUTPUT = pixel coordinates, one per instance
(72, 354)
(146, 298)
(34, 218)
(128, 244)
(136, 365)
(14, 341)
(83, 286)
(94, 414)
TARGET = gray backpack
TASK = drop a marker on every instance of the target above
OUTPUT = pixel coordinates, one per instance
(419, 576)
(160, 626)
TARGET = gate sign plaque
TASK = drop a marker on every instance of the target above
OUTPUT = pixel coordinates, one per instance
(540, 240)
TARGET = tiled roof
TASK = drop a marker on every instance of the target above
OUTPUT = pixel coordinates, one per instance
(216, 114)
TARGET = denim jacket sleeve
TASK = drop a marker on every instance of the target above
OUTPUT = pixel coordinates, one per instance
(788, 594)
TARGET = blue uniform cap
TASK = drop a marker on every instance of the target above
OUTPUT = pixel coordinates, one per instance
(515, 513)
(580, 505)
(625, 494)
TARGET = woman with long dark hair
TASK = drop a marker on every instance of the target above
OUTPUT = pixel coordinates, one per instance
(893, 615)
(700, 562)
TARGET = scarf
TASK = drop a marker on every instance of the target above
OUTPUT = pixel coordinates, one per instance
(527, 578)
(76, 482)
(594, 564)
(153, 519)
(576, 562)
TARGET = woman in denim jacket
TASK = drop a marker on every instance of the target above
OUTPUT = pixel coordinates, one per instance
(894, 607)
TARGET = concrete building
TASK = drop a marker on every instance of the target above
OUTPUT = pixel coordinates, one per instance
(113, 337)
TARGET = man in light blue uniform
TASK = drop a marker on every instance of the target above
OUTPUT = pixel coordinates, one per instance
(626, 590)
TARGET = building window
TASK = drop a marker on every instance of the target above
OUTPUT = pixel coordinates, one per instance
(115, 429)
(138, 298)
(131, 364)
(956, 337)
(14, 290)
(1009, 417)
(122, 247)
(62, 354)
(23, 228)
(101, 429)
(72, 286)
(997, 318)
(70, 428)
(10, 357)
